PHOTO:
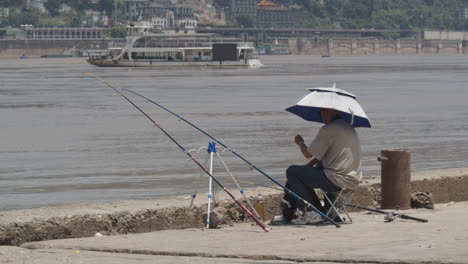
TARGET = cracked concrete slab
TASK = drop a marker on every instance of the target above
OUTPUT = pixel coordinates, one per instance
(443, 239)
(10, 254)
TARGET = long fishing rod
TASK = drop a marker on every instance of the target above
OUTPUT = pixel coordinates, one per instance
(259, 223)
(403, 216)
(239, 156)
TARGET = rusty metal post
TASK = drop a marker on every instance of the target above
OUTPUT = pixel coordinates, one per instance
(396, 178)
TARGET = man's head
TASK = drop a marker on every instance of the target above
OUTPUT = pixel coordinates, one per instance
(329, 115)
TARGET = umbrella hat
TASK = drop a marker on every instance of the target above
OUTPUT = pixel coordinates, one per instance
(310, 105)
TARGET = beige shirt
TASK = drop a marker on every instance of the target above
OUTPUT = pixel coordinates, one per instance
(337, 146)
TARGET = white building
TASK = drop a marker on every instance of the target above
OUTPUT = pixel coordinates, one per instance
(38, 4)
(445, 35)
(187, 23)
(160, 14)
(94, 18)
(4, 13)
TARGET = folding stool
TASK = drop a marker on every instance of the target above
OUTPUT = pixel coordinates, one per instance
(337, 205)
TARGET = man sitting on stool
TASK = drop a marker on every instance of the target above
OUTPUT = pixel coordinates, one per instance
(335, 164)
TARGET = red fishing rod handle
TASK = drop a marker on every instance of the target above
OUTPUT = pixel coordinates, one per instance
(259, 223)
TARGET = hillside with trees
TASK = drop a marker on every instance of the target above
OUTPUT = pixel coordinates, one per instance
(59, 12)
(346, 14)
(385, 14)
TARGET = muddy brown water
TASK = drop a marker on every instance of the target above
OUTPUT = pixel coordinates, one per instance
(67, 138)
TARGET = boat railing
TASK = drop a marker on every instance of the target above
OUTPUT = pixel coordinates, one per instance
(117, 44)
(245, 45)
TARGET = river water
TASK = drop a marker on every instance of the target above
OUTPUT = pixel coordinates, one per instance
(67, 138)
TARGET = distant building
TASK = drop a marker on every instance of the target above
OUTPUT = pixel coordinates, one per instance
(237, 7)
(444, 35)
(64, 33)
(132, 9)
(187, 23)
(38, 4)
(464, 12)
(270, 14)
(162, 14)
(94, 18)
(4, 13)
(65, 8)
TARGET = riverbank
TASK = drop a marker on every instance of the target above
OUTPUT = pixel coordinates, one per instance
(368, 240)
(140, 216)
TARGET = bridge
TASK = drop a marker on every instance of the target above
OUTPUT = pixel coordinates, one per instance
(268, 35)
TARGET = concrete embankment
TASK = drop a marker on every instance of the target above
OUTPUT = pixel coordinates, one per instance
(140, 216)
(368, 240)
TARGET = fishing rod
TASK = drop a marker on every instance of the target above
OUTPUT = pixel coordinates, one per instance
(259, 223)
(403, 216)
(287, 190)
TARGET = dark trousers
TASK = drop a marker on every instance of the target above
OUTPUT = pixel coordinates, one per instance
(302, 180)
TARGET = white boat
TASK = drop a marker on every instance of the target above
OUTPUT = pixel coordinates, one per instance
(145, 49)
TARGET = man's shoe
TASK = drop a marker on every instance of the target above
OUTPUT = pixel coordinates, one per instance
(309, 218)
(279, 220)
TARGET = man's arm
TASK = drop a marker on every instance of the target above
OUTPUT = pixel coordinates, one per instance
(312, 162)
(302, 146)
(300, 142)
(304, 150)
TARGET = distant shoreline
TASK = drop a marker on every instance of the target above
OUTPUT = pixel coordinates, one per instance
(10, 49)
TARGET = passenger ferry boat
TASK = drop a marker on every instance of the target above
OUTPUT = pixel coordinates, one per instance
(145, 49)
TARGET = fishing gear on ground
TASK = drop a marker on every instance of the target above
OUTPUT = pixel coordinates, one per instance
(389, 216)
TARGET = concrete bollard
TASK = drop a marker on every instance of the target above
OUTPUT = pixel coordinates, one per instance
(395, 178)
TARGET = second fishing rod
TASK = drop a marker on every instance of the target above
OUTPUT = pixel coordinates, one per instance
(287, 190)
(242, 206)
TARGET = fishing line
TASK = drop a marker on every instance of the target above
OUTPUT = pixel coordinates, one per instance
(287, 190)
(242, 206)
(195, 191)
(263, 185)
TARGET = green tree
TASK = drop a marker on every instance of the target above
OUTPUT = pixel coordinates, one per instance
(81, 5)
(245, 20)
(17, 17)
(9, 3)
(53, 6)
(385, 14)
(106, 5)
(118, 32)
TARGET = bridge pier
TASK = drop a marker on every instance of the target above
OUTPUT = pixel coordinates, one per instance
(330, 45)
(439, 47)
(375, 46)
(398, 46)
(353, 46)
(418, 46)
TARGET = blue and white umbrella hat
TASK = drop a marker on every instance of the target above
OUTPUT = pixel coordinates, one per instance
(332, 98)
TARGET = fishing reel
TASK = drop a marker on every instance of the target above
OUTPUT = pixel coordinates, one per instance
(389, 217)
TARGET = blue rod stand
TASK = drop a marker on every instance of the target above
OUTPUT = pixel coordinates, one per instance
(211, 147)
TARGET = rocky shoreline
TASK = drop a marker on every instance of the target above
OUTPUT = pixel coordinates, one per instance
(140, 216)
